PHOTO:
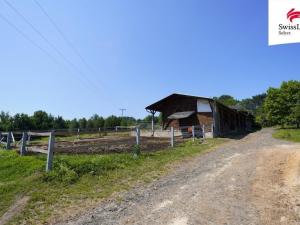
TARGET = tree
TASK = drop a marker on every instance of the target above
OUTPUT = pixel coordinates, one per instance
(127, 121)
(6, 122)
(148, 119)
(59, 123)
(22, 122)
(280, 103)
(95, 121)
(252, 104)
(82, 123)
(73, 124)
(42, 121)
(112, 121)
(227, 100)
(296, 115)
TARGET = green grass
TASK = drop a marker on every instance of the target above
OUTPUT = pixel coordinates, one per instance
(80, 180)
(288, 134)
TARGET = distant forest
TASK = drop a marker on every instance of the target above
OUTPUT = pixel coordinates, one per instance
(41, 120)
(278, 106)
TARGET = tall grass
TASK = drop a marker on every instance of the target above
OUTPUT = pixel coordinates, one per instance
(288, 134)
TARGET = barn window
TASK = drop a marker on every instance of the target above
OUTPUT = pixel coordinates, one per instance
(203, 106)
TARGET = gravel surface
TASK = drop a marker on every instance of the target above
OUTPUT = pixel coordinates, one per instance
(250, 181)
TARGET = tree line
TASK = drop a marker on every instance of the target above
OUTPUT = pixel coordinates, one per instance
(278, 106)
(41, 120)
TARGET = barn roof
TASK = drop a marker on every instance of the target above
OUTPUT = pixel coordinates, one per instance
(181, 115)
(159, 104)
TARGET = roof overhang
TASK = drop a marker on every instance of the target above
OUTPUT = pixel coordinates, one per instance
(159, 104)
(181, 115)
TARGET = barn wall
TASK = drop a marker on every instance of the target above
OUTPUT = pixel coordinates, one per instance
(223, 119)
(229, 120)
(205, 118)
(173, 123)
(178, 105)
(190, 121)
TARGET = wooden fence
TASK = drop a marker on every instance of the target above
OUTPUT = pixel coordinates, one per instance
(8, 139)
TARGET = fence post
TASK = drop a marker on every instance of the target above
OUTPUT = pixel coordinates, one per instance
(28, 139)
(203, 131)
(99, 130)
(193, 133)
(50, 152)
(78, 131)
(138, 134)
(23, 144)
(8, 140)
(212, 130)
(172, 136)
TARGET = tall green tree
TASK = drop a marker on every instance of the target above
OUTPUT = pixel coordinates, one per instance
(254, 103)
(280, 103)
(82, 123)
(296, 115)
(59, 123)
(227, 100)
(42, 121)
(6, 122)
(22, 122)
(112, 121)
(73, 124)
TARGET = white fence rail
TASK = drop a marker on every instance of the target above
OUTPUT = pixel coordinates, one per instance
(50, 151)
(175, 136)
(7, 139)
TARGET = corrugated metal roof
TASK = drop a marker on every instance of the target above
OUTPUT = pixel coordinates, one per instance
(181, 115)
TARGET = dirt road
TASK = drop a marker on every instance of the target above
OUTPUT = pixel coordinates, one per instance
(254, 180)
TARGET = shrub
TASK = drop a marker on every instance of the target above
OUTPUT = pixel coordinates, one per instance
(61, 173)
(136, 150)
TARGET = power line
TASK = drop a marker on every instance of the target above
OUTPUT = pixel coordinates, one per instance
(67, 40)
(25, 36)
(28, 38)
(49, 43)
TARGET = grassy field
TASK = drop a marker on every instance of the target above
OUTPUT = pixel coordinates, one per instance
(79, 181)
(288, 134)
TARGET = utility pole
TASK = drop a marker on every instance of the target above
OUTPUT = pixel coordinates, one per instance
(123, 110)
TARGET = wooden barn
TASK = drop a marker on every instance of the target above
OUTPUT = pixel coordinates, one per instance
(180, 110)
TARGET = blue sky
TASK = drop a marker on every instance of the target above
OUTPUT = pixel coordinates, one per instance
(136, 53)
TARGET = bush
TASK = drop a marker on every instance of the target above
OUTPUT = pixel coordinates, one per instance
(136, 150)
(61, 173)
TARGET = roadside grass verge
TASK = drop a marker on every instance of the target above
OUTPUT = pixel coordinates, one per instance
(287, 134)
(79, 181)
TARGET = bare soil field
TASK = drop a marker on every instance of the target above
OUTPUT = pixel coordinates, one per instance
(110, 144)
(251, 181)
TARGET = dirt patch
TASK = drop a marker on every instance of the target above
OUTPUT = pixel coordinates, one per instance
(276, 188)
(16, 208)
(111, 144)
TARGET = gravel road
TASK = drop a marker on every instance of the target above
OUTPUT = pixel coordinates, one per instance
(253, 180)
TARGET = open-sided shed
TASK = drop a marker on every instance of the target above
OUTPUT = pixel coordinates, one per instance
(180, 110)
